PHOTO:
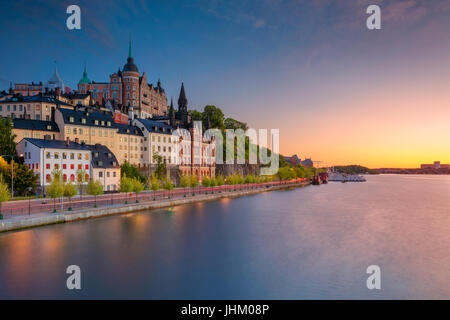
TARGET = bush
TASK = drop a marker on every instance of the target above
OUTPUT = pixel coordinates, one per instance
(219, 180)
(185, 181)
(126, 184)
(194, 181)
(154, 182)
(206, 182)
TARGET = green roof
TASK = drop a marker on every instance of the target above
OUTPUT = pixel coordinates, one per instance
(85, 79)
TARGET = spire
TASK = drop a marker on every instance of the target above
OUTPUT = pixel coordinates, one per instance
(182, 101)
(129, 51)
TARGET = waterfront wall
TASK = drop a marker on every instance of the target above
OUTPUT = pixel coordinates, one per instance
(47, 219)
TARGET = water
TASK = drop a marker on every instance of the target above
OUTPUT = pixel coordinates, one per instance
(308, 243)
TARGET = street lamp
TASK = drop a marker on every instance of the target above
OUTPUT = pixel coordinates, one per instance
(12, 173)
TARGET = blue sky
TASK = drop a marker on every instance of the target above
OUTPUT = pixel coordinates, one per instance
(300, 66)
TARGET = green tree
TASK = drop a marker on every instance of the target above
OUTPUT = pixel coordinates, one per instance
(94, 188)
(138, 186)
(70, 190)
(168, 184)
(126, 185)
(219, 180)
(4, 195)
(131, 171)
(212, 182)
(185, 182)
(81, 175)
(55, 189)
(160, 165)
(216, 117)
(154, 182)
(206, 182)
(194, 181)
(231, 123)
(7, 144)
(24, 178)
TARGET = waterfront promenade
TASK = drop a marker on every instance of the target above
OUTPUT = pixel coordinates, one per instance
(26, 214)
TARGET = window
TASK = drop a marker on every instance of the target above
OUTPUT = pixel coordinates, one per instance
(74, 130)
(72, 156)
(72, 166)
(86, 177)
(64, 166)
(64, 155)
(107, 174)
(47, 166)
(114, 174)
(100, 174)
(71, 119)
(64, 177)
(83, 120)
(79, 167)
(48, 178)
(86, 156)
(79, 156)
(68, 130)
(72, 177)
(86, 167)
(56, 166)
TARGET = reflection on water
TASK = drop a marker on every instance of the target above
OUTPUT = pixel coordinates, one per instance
(313, 242)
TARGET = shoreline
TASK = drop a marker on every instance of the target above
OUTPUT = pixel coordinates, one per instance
(38, 220)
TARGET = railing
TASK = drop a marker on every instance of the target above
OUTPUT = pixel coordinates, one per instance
(48, 205)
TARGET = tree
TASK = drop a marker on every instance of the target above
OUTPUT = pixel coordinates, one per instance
(131, 171)
(286, 173)
(95, 188)
(160, 166)
(231, 123)
(185, 182)
(154, 184)
(81, 174)
(194, 181)
(219, 180)
(126, 185)
(4, 195)
(216, 117)
(55, 189)
(138, 186)
(168, 184)
(24, 177)
(206, 182)
(7, 144)
(70, 190)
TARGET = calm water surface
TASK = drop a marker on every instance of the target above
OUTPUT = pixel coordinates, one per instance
(308, 243)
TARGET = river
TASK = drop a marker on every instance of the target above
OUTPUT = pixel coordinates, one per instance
(309, 243)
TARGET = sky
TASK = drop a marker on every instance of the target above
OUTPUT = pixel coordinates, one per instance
(338, 92)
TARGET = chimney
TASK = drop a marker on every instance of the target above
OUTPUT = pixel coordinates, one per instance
(67, 141)
(77, 140)
(58, 92)
(46, 90)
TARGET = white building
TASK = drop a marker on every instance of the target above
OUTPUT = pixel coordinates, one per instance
(95, 161)
(45, 156)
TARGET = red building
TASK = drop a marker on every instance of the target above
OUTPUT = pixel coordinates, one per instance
(129, 88)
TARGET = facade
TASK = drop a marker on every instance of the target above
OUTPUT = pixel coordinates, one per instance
(38, 107)
(28, 89)
(26, 128)
(128, 88)
(72, 159)
(105, 167)
(45, 156)
(130, 145)
(89, 126)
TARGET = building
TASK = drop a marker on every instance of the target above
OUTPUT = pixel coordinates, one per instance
(104, 167)
(129, 88)
(28, 89)
(38, 107)
(435, 165)
(37, 129)
(87, 125)
(293, 160)
(130, 145)
(72, 159)
(44, 156)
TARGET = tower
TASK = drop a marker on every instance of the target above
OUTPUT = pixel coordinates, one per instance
(182, 105)
(130, 80)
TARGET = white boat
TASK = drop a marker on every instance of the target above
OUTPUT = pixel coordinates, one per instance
(342, 177)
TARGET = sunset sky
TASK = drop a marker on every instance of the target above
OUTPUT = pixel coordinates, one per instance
(338, 92)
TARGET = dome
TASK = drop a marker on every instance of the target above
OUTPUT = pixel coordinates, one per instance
(130, 66)
(84, 79)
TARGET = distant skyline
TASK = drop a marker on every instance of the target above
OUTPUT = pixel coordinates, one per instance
(337, 91)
